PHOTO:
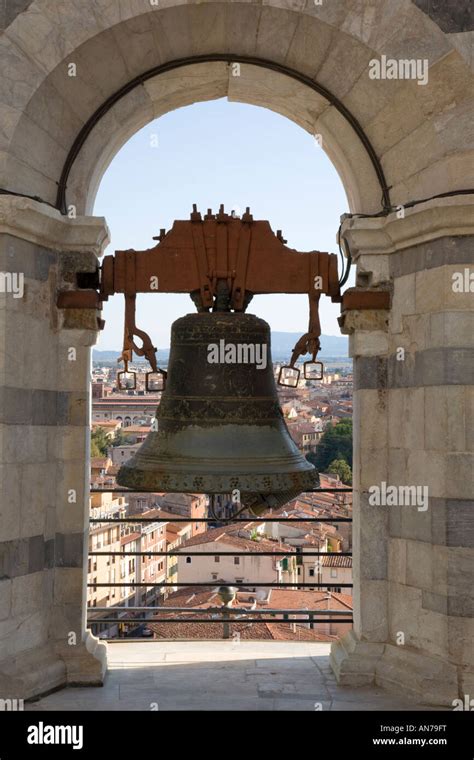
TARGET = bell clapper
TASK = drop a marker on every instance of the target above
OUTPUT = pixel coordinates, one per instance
(212, 510)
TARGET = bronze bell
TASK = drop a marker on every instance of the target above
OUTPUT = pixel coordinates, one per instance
(219, 424)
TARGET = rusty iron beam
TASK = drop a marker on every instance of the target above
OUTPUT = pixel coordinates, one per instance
(194, 253)
(365, 298)
(79, 299)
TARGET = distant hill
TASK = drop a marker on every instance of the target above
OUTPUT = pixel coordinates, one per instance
(331, 345)
(105, 356)
(282, 346)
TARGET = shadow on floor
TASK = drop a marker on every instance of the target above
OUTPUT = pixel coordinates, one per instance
(221, 675)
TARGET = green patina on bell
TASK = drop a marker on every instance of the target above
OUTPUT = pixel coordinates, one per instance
(219, 422)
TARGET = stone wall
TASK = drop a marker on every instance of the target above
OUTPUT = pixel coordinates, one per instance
(44, 433)
(413, 416)
(422, 134)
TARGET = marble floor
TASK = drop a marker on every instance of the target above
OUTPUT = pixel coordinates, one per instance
(220, 675)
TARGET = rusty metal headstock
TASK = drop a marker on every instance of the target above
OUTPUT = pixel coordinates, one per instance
(222, 260)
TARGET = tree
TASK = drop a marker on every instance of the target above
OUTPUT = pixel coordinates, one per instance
(99, 442)
(336, 443)
(95, 453)
(120, 438)
(311, 457)
(341, 468)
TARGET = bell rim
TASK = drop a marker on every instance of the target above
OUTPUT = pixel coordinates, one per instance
(176, 482)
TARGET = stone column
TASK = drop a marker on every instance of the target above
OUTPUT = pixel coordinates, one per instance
(44, 432)
(413, 426)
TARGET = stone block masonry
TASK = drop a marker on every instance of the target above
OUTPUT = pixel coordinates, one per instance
(413, 407)
(44, 424)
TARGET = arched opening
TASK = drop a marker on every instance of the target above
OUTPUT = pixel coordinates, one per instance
(69, 64)
(207, 153)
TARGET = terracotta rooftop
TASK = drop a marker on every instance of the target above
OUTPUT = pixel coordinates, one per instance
(290, 599)
(246, 631)
(171, 517)
(301, 427)
(100, 462)
(278, 598)
(173, 529)
(130, 537)
(335, 560)
(154, 512)
(229, 535)
(203, 597)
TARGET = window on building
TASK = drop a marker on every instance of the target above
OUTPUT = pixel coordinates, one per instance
(236, 560)
(188, 560)
(311, 572)
(217, 559)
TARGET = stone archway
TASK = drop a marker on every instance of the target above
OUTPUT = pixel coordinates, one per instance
(411, 570)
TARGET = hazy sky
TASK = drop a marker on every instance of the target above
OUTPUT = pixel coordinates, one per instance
(212, 153)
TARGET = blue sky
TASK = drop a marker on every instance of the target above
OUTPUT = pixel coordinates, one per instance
(212, 153)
